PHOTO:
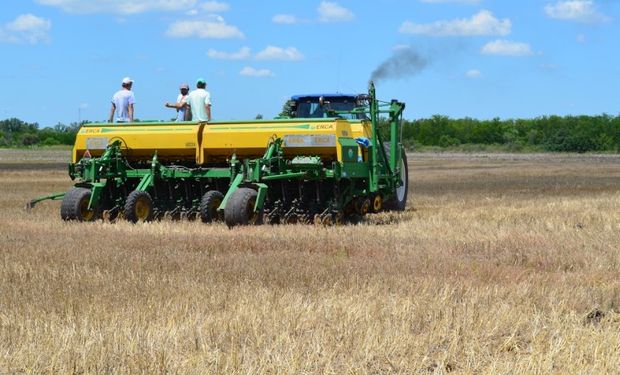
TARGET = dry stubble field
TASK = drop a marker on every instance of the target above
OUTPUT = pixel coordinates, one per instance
(501, 264)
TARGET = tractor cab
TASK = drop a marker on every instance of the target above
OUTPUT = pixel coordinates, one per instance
(324, 106)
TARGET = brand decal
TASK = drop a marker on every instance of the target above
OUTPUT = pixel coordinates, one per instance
(323, 126)
(328, 140)
(97, 143)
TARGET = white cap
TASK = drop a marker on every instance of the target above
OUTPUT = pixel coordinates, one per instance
(127, 80)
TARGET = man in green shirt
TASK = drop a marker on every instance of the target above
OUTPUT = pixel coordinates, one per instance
(199, 101)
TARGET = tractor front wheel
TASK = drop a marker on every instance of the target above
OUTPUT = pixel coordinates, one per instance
(138, 207)
(75, 206)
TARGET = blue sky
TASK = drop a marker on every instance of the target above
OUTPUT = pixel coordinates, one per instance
(63, 59)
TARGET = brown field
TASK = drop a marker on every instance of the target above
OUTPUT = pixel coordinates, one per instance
(502, 264)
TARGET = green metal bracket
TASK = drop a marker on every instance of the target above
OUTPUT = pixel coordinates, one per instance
(72, 172)
(146, 182)
(95, 194)
(154, 163)
(373, 154)
(260, 199)
(284, 176)
(233, 186)
(349, 149)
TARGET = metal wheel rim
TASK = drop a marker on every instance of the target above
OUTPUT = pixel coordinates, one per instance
(376, 203)
(86, 214)
(143, 209)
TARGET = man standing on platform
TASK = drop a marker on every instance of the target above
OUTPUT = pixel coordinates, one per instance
(199, 101)
(122, 102)
(183, 111)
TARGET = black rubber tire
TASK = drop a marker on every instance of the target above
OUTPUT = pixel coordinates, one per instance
(209, 203)
(73, 206)
(138, 207)
(239, 208)
(399, 201)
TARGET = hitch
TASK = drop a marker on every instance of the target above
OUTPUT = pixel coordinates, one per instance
(52, 197)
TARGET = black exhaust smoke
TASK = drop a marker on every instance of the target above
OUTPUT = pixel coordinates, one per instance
(404, 62)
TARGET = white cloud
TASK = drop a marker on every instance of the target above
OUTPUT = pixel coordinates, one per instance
(208, 7)
(481, 24)
(285, 19)
(120, 6)
(253, 72)
(473, 73)
(452, 1)
(242, 54)
(212, 28)
(278, 53)
(214, 7)
(269, 53)
(333, 12)
(506, 48)
(26, 28)
(575, 10)
(327, 12)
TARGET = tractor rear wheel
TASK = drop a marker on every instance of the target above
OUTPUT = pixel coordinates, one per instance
(75, 206)
(209, 204)
(399, 201)
(239, 209)
(138, 207)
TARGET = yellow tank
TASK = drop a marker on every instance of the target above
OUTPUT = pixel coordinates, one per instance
(361, 129)
(218, 141)
(316, 137)
(139, 141)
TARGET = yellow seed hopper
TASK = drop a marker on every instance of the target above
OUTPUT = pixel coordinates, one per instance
(139, 141)
(317, 137)
(202, 143)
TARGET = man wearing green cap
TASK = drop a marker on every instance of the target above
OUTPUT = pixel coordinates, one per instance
(199, 101)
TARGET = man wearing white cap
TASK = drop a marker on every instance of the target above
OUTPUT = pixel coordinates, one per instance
(122, 102)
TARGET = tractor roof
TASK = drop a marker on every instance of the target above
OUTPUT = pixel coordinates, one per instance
(316, 96)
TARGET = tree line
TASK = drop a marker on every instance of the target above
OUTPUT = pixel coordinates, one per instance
(17, 133)
(548, 133)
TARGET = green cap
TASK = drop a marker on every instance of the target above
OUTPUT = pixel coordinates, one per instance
(201, 81)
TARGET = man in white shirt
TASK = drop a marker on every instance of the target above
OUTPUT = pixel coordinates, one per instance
(199, 101)
(183, 111)
(122, 102)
